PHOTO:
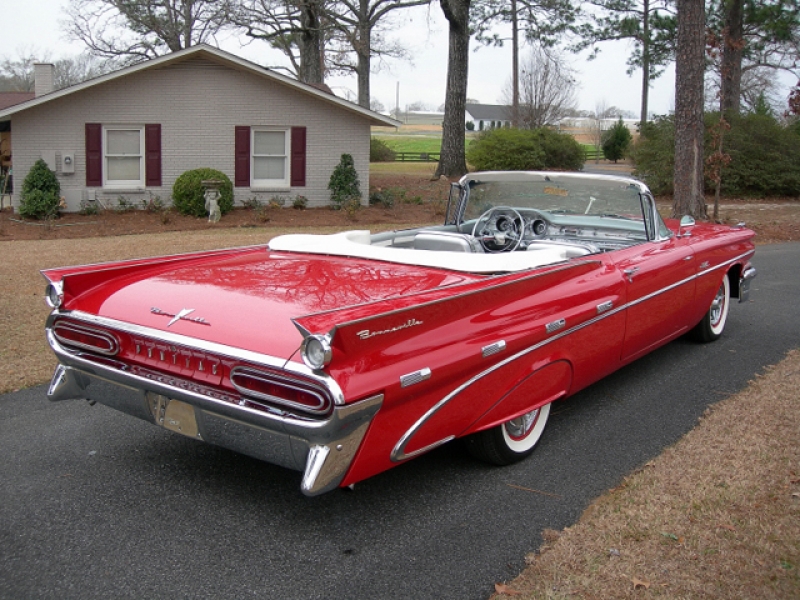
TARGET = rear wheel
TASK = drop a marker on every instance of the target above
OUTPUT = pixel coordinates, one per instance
(713, 322)
(511, 441)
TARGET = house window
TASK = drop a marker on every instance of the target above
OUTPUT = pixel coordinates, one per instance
(267, 157)
(123, 156)
(270, 156)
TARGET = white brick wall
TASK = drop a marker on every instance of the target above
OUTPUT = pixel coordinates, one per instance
(198, 103)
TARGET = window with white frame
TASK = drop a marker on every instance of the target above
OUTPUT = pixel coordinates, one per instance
(123, 155)
(270, 156)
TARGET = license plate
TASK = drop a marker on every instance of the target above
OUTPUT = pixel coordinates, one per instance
(174, 415)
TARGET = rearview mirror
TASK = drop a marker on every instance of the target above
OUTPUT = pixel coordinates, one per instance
(686, 221)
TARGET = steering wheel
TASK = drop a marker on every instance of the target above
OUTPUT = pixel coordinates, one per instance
(499, 229)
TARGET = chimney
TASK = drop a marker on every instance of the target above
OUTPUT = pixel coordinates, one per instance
(42, 78)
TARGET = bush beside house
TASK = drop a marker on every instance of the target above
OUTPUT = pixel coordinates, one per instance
(41, 193)
(188, 193)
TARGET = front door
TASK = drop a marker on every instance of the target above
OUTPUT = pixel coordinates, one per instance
(660, 290)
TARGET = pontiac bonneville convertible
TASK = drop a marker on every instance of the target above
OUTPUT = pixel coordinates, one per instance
(344, 355)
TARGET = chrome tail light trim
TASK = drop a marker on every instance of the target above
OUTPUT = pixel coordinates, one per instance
(109, 348)
(323, 402)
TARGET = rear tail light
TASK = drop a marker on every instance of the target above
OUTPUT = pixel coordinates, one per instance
(271, 388)
(86, 338)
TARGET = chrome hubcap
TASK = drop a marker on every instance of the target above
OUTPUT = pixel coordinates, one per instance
(521, 426)
(717, 305)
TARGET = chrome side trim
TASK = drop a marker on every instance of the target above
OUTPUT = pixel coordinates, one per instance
(415, 377)
(697, 275)
(605, 307)
(493, 349)
(399, 454)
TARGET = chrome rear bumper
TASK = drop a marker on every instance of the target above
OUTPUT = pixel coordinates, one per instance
(744, 283)
(322, 448)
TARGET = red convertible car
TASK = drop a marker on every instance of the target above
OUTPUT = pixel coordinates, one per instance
(344, 355)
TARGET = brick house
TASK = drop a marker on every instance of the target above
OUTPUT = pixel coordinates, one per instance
(129, 134)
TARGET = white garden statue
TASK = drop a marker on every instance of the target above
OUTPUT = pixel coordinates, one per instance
(212, 197)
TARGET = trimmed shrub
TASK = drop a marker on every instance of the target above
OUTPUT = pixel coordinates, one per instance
(505, 149)
(508, 149)
(379, 151)
(765, 156)
(343, 184)
(653, 154)
(188, 194)
(561, 151)
(616, 141)
(41, 193)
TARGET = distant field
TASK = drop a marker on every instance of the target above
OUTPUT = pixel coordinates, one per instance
(417, 169)
(412, 143)
(432, 144)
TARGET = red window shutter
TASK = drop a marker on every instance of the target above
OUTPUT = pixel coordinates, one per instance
(152, 155)
(298, 166)
(94, 155)
(242, 156)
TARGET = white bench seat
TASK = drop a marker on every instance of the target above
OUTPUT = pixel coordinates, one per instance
(358, 244)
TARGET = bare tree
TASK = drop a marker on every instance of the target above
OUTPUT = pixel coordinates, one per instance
(541, 21)
(749, 36)
(452, 161)
(18, 74)
(600, 113)
(689, 129)
(358, 23)
(134, 30)
(299, 29)
(546, 88)
(649, 24)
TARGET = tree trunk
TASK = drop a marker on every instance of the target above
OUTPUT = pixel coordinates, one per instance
(689, 72)
(645, 64)
(514, 65)
(731, 66)
(452, 162)
(310, 43)
(363, 56)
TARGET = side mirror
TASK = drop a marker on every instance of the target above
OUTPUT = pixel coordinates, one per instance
(686, 221)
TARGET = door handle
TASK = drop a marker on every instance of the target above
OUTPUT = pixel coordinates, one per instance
(629, 273)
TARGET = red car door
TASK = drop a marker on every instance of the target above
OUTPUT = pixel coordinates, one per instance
(660, 292)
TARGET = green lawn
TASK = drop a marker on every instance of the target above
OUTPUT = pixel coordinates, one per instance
(412, 143)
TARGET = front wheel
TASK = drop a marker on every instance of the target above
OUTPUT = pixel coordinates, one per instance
(511, 441)
(713, 322)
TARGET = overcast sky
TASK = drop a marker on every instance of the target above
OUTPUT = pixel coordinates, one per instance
(34, 25)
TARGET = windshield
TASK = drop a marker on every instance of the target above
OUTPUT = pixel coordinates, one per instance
(559, 194)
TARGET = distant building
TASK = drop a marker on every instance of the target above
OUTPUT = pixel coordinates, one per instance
(487, 116)
(421, 117)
